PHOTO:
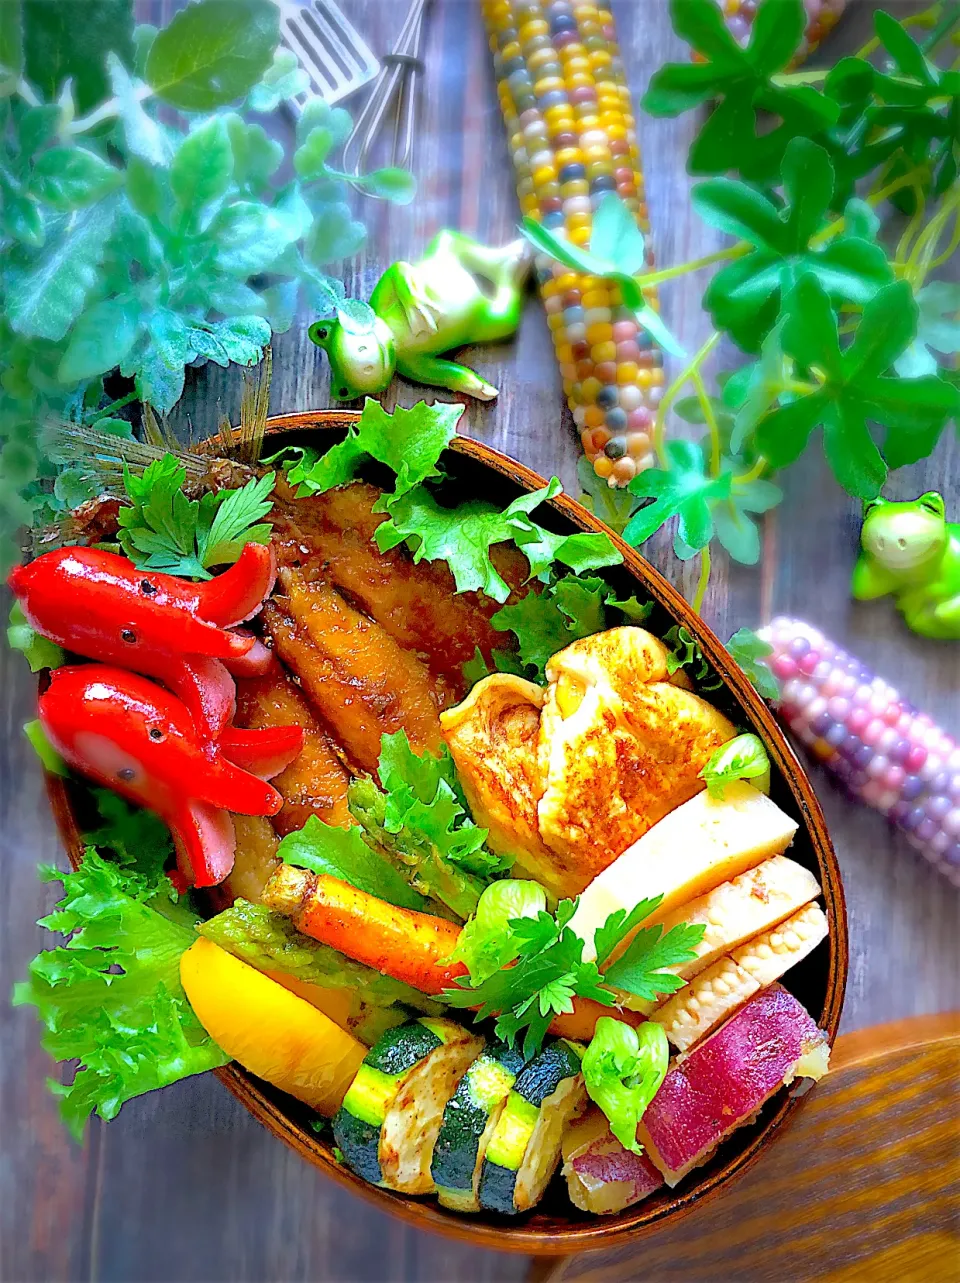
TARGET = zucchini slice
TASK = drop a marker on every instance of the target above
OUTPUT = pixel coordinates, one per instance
(524, 1149)
(392, 1111)
(469, 1120)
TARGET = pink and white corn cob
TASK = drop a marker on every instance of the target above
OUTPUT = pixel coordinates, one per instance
(879, 746)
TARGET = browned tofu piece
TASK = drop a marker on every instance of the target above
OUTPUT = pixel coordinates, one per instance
(315, 783)
(360, 681)
(332, 537)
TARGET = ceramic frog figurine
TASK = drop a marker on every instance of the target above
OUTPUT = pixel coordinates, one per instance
(460, 292)
(913, 552)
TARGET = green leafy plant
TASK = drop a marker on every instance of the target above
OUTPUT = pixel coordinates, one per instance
(543, 970)
(851, 343)
(162, 529)
(147, 220)
(110, 998)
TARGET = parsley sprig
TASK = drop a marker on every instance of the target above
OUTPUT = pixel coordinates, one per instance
(162, 529)
(546, 969)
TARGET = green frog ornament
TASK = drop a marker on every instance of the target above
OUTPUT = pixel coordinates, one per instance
(460, 292)
(913, 552)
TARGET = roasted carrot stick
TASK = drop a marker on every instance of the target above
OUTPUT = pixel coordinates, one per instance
(409, 946)
(402, 943)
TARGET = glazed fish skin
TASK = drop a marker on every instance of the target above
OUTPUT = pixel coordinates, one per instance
(332, 535)
(620, 747)
(315, 783)
(492, 737)
(357, 677)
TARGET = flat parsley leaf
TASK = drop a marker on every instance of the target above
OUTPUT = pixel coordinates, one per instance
(567, 609)
(640, 969)
(111, 997)
(546, 971)
(163, 530)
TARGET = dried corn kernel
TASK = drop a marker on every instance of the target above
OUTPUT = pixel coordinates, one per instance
(566, 105)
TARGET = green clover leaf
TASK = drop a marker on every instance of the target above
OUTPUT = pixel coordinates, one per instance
(855, 389)
(742, 80)
(685, 491)
(744, 297)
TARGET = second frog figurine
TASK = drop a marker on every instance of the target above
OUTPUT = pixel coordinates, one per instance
(460, 292)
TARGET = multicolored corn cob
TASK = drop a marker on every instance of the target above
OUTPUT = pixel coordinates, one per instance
(822, 16)
(571, 131)
(881, 748)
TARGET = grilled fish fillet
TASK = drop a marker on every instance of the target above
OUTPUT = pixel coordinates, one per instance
(315, 782)
(620, 747)
(492, 737)
(360, 681)
(332, 537)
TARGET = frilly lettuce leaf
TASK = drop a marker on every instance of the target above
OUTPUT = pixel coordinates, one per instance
(110, 997)
(408, 441)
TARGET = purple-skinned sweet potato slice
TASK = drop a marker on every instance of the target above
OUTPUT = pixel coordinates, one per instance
(728, 1078)
(602, 1176)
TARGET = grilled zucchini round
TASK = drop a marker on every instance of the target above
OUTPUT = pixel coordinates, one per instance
(468, 1123)
(524, 1149)
(392, 1112)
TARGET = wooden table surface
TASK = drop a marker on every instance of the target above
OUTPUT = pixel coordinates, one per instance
(184, 1185)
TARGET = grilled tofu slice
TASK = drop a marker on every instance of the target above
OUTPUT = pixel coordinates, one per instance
(332, 536)
(737, 911)
(315, 783)
(493, 736)
(620, 747)
(723, 988)
(701, 844)
(360, 681)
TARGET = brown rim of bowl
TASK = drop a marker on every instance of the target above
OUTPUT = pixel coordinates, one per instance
(600, 1232)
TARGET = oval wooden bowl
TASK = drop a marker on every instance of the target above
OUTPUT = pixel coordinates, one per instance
(556, 1228)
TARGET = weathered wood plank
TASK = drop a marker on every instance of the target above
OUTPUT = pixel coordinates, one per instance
(184, 1185)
